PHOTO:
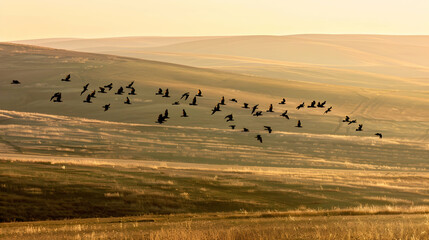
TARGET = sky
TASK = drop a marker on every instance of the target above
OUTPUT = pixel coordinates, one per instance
(32, 19)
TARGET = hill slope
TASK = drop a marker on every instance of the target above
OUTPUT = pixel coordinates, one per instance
(375, 61)
(401, 116)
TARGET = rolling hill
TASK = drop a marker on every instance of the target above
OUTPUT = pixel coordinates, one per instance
(374, 61)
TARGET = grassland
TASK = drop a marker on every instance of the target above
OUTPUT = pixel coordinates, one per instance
(73, 160)
(298, 225)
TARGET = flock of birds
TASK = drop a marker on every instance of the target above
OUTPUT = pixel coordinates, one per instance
(217, 108)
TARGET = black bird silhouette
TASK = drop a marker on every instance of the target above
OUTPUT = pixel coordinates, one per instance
(232, 126)
(222, 101)
(166, 93)
(353, 121)
(130, 85)
(93, 94)
(166, 114)
(259, 138)
(184, 114)
(229, 118)
(379, 135)
(133, 91)
(271, 108)
(15, 82)
(102, 90)
(176, 103)
(67, 79)
(233, 100)
(312, 105)
(160, 119)
(194, 101)
(185, 95)
(321, 105)
(258, 113)
(254, 108)
(199, 94)
(285, 115)
(216, 109)
(245, 130)
(120, 91)
(88, 99)
(127, 101)
(328, 110)
(57, 97)
(283, 101)
(347, 119)
(298, 125)
(359, 128)
(268, 128)
(106, 107)
(245, 105)
(300, 106)
(159, 92)
(109, 86)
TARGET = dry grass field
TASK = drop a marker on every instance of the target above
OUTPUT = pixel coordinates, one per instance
(70, 170)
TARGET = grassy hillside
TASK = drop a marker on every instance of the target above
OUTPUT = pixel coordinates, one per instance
(376, 61)
(72, 159)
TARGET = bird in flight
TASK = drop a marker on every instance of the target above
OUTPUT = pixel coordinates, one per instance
(285, 115)
(300, 106)
(353, 121)
(268, 128)
(216, 109)
(15, 82)
(321, 105)
(283, 101)
(160, 119)
(270, 109)
(233, 100)
(232, 126)
(184, 114)
(245, 105)
(57, 97)
(328, 110)
(245, 130)
(93, 94)
(166, 93)
(85, 88)
(185, 95)
(379, 135)
(67, 79)
(159, 92)
(347, 119)
(88, 99)
(199, 94)
(298, 125)
(130, 85)
(312, 105)
(109, 86)
(133, 91)
(166, 114)
(106, 107)
(257, 113)
(222, 101)
(254, 108)
(176, 103)
(127, 101)
(259, 138)
(229, 118)
(194, 101)
(359, 128)
(102, 90)
(120, 91)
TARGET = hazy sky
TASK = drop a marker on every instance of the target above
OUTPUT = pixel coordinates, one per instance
(28, 19)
